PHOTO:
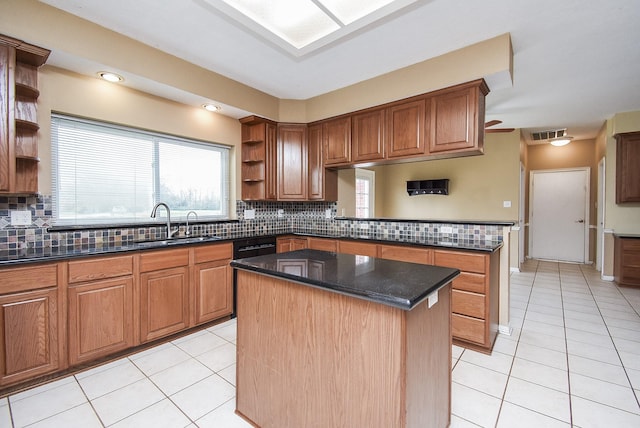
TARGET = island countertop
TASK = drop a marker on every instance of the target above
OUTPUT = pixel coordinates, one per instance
(399, 284)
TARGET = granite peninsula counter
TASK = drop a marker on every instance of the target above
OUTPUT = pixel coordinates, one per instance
(330, 339)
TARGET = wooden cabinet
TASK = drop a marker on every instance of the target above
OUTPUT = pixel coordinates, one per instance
(367, 135)
(474, 298)
(292, 162)
(336, 136)
(405, 253)
(457, 119)
(212, 283)
(626, 260)
(628, 167)
(358, 248)
(19, 94)
(164, 293)
(323, 183)
(323, 244)
(100, 307)
(32, 336)
(289, 243)
(406, 127)
(258, 154)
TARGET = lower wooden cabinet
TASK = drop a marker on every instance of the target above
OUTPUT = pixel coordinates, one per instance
(323, 244)
(100, 319)
(358, 248)
(290, 243)
(474, 298)
(212, 283)
(405, 254)
(31, 325)
(626, 260)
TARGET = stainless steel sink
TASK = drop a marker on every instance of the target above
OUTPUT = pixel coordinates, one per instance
(175, 241)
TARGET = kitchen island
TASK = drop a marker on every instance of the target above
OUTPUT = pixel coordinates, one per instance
(340, 340)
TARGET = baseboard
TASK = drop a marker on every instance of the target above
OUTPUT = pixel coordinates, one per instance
(607, 278)
(514, 269)
(505, 329)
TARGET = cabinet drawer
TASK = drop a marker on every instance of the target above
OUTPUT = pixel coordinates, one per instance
(213, 252)
(467, 328)
(405, 254)
(163, 259)
(465, 303)
(322, 244)
(28, 278)
(473, 282)
(358, 248)
(464, 261)
(99, 268)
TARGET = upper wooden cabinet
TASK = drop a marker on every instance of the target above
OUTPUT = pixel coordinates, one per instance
(19, 93)
(259, 159)
(336, 135)
(407, 125)
(457, 119)
(292, 162)
(628, 167)
(323, 183)
(367, 135)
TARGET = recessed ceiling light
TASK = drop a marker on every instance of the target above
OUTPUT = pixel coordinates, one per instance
(110, 77)
(211, 107)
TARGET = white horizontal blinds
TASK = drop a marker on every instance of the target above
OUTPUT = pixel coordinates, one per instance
(109, 174)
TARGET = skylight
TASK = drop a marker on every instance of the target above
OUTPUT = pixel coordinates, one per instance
(301, 26)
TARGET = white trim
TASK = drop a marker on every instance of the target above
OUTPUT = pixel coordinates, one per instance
(505, 329)
(514, 269)
(515, 228)
(607, 278)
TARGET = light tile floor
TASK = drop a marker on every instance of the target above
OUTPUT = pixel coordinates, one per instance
(573, 360)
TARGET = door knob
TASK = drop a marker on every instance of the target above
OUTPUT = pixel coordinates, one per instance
(579, 221)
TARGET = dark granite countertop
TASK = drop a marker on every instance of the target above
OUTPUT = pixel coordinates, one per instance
(399, 284)
(626, 235)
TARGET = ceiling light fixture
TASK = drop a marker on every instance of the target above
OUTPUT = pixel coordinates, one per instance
(211, 107)
(110, 77)
(561, 141)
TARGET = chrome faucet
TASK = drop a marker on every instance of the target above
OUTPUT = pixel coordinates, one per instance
(188, 232)
(170, 232)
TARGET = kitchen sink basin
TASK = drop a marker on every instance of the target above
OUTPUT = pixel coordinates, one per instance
(175, 241)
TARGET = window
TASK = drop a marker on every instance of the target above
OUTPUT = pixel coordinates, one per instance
(105, 173)
(365, 191)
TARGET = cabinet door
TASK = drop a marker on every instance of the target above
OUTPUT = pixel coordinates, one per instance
(322, 244)
(7, 56)
(323, 183)
(271, 163)
(368, 135)
(100, 318)
(213, 291)
(164, 302)
(29, 329)
(336, 135)
(406, 129)
(292, 162)
(456, 118)
(628, 167)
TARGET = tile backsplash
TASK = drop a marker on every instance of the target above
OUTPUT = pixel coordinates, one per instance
(270, 218)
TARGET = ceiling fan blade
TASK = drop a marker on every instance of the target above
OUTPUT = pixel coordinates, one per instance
(492, 123)
(498, 130)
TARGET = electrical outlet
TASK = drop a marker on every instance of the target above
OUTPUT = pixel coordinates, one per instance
(506, 204)
(327, 213)
(280, 213)
(21, 218)
(446, 229)
(249, 214)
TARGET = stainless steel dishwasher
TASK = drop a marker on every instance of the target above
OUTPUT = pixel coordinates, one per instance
(250, 247)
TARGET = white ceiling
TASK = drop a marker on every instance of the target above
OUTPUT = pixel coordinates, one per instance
(576, 63)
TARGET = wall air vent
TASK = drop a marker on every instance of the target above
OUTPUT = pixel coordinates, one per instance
(548, 135)
(428, 187)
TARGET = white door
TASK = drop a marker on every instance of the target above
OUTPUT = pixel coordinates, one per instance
(558, 214)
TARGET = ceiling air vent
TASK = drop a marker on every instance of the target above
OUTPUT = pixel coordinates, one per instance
(547, 135)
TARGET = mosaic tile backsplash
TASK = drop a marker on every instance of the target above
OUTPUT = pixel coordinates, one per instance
(270, 218)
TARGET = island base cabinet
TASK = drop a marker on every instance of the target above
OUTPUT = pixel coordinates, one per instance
(29, 327)
(100, 319)
(309, 357)
(164, 301)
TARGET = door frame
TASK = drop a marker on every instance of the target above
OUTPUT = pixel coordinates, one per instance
(600, 215)
(586, 205)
